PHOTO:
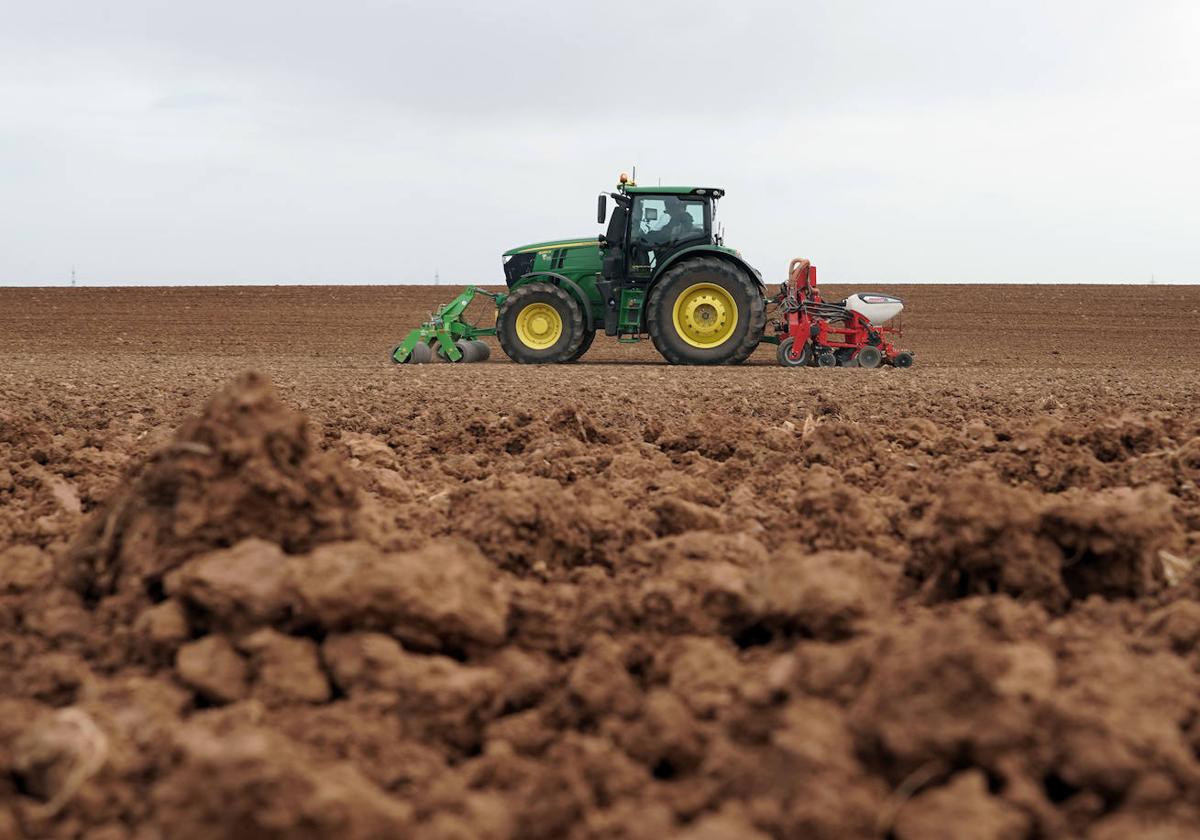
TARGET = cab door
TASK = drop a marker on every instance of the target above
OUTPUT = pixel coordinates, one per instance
(614, 249)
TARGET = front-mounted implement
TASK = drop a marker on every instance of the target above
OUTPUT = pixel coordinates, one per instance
(447, 336)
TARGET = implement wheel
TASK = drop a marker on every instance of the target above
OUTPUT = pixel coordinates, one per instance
(869, 357)
(420, 355)
(785, 356)
(705, 311)
(470, 353)
(540, 324)
(483, 350)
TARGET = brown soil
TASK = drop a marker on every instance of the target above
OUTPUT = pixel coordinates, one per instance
(256, 582)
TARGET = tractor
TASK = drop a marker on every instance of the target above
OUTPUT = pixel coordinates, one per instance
(661, 269)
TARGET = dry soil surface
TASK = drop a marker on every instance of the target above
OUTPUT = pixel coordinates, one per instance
(255, 582)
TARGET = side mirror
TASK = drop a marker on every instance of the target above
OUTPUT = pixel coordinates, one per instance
(602, 209)
(650, 214)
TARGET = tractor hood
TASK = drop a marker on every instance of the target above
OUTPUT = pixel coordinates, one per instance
(555, 244)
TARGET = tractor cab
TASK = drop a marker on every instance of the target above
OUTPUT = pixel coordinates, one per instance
(650, 224)
(650, 228)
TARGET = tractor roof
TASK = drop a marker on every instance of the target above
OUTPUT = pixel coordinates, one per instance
(713, 191)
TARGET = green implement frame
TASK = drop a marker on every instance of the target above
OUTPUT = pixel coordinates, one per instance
(446, 328)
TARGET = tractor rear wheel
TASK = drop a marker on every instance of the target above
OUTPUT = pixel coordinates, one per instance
(706, 311)
(540, 324)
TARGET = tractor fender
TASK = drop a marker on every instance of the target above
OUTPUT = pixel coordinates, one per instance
(710, 251)
(571, 286)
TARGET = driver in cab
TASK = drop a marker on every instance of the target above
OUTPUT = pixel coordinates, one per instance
(678, 225)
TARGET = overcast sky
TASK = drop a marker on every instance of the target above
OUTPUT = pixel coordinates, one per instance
(262, 141)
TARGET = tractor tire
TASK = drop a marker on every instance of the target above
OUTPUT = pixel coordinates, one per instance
(588, 337)
(706, 311)
(540, 324)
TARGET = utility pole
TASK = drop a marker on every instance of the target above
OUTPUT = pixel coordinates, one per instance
(72, 277)
(437, 278)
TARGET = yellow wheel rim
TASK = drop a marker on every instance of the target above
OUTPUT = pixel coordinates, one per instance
(705, 315)
(539, 326)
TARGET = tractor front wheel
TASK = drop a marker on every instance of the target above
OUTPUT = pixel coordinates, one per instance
(705, 311)
(540, 324)
(588, 337)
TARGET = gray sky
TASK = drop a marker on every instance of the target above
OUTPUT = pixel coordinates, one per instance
(262, 141)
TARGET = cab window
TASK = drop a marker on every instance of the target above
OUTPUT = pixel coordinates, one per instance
(662, 224)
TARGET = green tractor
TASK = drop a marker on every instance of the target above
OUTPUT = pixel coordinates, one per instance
(660, 269)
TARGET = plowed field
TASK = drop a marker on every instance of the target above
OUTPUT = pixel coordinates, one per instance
(256, 582)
